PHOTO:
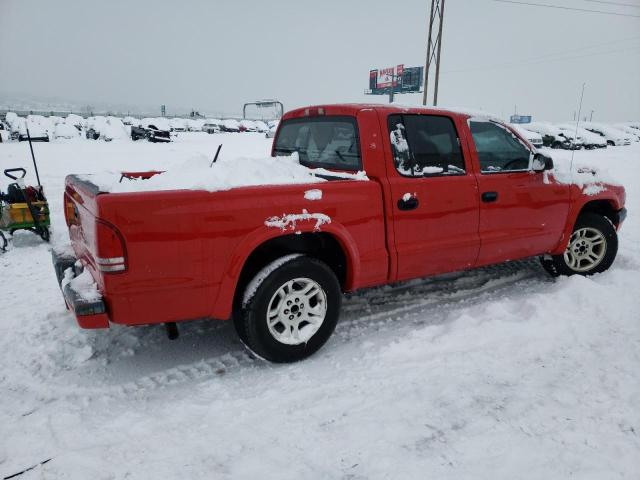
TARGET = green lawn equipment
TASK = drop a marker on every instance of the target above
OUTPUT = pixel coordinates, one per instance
(23, 207)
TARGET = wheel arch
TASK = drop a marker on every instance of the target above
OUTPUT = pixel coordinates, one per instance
(333, 245)
(607, 207)
(604, 207)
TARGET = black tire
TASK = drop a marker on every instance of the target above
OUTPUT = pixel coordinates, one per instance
(557, 265)
(3, 243)
(251, 321)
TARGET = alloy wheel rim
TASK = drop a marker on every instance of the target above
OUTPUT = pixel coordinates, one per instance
(296, 311)
(587, 247)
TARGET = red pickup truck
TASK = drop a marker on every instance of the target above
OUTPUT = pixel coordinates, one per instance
(443, 191)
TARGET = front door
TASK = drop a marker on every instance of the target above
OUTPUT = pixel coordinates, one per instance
(434, 196)
(522, 212)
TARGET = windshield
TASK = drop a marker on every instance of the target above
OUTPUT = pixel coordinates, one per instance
(329, 142)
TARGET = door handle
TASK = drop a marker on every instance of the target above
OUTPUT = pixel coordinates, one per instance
(489, 196)
(410, 204)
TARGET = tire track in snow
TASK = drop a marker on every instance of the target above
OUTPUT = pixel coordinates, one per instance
(441, 294)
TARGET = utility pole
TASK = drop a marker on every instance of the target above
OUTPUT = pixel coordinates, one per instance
(434, 47)
(394, 78)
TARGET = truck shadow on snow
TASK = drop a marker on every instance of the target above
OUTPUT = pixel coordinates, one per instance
(143, 357)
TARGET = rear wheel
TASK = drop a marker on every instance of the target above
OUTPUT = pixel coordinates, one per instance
(592, 248)
(293, 311)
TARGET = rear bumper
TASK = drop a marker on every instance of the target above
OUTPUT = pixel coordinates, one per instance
(88, 313)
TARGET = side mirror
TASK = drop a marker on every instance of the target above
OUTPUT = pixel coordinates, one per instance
(541, 163)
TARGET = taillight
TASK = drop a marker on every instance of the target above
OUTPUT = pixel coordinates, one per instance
(69, 210)
(312, 111)
(110, 250)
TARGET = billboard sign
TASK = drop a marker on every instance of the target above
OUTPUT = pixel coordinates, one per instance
(399, 78)
(388, 77)
(520, 119)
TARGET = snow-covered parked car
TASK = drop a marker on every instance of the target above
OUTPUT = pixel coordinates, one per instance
(36, 131)
(128, 120)
(230, 125)
(248, 126)
(10, 118)
(5, 132)
(589, 139)
(153, 129)
(55, 119)
(106, 128)
(273, 127)
(634, 125)
(261, 126)
(177, 125)
(574, 138)
(64, 130)
(14, 122)
(115, 130)
(533, 138)
(195, 125)
(613, 136)
(75, 121)
(552, 136)
(633, 133)
(94, 126)
(212, 125)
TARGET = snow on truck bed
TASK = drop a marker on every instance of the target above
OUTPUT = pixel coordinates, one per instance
(198, 173)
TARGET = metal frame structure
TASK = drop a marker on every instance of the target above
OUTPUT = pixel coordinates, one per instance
(263, 104)
(434, 46)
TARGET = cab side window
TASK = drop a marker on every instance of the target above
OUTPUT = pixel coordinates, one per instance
(425, 145)
(499, 150)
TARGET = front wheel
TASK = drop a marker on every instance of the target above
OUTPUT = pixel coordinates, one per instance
(290, 309)
(592, 248)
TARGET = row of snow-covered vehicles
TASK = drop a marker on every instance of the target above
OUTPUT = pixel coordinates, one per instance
(587, 135)
(109, 128)
(45, 128)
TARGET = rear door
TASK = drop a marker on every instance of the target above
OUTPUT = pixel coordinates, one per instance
(522, 213)
(434, 196)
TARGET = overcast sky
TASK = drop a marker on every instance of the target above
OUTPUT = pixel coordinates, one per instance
(214, 55)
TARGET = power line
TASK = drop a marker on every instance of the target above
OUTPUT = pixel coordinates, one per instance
(555, 54)
(614, 3)
(546, 5)
(539, 60)
(586, 47)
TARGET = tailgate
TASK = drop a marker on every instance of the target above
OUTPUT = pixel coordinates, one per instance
(95, 242)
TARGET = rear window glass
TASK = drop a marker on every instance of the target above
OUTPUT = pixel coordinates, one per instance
(329, 142)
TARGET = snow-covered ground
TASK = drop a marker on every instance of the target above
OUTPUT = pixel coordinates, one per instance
(498, 373)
